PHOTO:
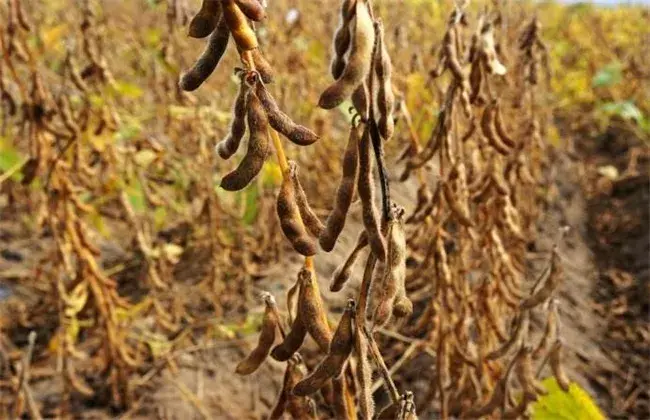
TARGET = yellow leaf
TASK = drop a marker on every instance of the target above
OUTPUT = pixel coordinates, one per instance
(52, 36)
(557, 404)
(76, 300)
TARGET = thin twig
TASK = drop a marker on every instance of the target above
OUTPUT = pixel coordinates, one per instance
(379, 362)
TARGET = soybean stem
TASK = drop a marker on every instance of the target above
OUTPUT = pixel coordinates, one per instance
(282, 158)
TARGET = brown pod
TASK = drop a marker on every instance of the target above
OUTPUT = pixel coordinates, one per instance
(309, 218)
(395, 272)
(556, 366)
(364, 375)
(449, 45)
(267, 337)
(241, 31)
(487, 126)
(360, 101)
(527, 379)
(292, 342)
(310, 308)
(403, 307)
(258, 148)
(501, 129)
(253, 9)
(344, 271)
(323, 372)
(339, 351)
(366, 189)
(549, 286)
(385, 98)
(344, 193)
(290, 220)
(461, 212)
(228, 146)
(297, 407)
(359, 60)
(302, 136)
(206, 19)
(343, 406)
(489, 52)
(261, 65)
(343, 339)
(209, 59)
(281, 404)
(342, 38)
(521, 329)
(550, 331)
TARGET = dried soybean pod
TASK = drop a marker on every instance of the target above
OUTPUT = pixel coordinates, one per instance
(228, 146)
(310, 308)
(343, 339)
(209, 59)
(403, 307)
(549, 285)
(344, 193)
(501, 129)
(339, 351)
(449, 45)
(298, 134)
(344, 271)
(395, 271)
(461, 212)
(550, 330)
(290, 219)
(385, 98)
(261, 65)
(281, 404)
(366, 189)
(292, 342)
(526, 376)
(298, 407)
(556, 366)
(206, 20)
(360, 101)
(309, 218)
(323, 372)
(241, 31)
(521, 329)
(342, 38)
(487, 126)
(364, 375)
(270, 323)
(253, 9)
(407, 407)
(343, 406)
(258, 148)
(77, 383)
(359, 60)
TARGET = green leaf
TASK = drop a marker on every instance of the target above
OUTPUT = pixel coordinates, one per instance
(250, 203)
(127, 90)
(129, 130)
(136, 196)
(624, 109)
(9, 158)
(609, 75)
(557, 404)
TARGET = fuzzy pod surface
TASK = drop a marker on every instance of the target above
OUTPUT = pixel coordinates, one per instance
(258, 148)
